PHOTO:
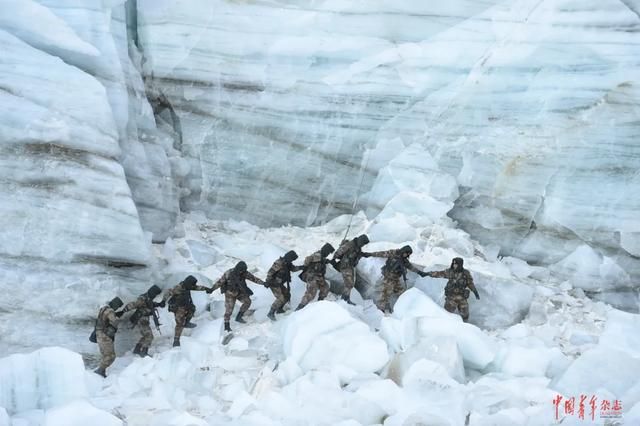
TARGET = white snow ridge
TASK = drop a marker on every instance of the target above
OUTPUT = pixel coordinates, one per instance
(142, 141)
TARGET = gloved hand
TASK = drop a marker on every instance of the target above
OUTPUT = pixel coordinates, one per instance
(119, 314)
(423, 274)
(160, 304)
(477, 295)
(209, 290)
(366, 254)
(334, 263)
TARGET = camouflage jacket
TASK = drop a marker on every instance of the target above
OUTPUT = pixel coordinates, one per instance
(230, 281)
(180, 296)
(143, 305)
(315, 265)
(349, 254)
(280, 272)
(107, 322)
(396, 265)
(458, 281)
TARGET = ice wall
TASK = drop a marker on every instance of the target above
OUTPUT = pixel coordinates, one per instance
(85, 171)
(530, 106)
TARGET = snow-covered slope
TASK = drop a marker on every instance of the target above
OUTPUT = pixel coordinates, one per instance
(332, 363)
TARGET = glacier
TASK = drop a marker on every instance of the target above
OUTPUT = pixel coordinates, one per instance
(142, 140)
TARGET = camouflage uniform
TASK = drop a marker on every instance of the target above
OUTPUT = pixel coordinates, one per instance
(394, 269)
(315, 266)
(234, 287)
(278, 279)
(144, 309)
(349, 254)
(106, 327)
(457, 290)
(181, 304)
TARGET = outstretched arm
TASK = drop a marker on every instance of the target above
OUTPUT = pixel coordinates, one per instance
(384, 253)
(253, 278)
(438, 274)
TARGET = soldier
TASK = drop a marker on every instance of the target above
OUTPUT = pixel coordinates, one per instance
(315, 266)
(106, 328)
(345, 260)
(234, 287)
(145, 307)
(181, 304)
(395, 268)
(456, 291)
(277, 277)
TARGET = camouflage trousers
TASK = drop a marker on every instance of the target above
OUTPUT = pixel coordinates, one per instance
(390, 284)
(230, 298)
(314, 284)
(348, 278)
(107, 351)
(183, 315)
(145, 330)
(280, 293)
(458, 301)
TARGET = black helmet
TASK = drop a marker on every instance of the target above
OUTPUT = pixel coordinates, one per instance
(115, 303)
(240, 267)
(406, 250)
(362, 240)
(326, 250)
(189, 282)
(457, 260)
(290, 256)
(153, 291)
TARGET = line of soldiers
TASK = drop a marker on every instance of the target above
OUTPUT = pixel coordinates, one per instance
(234, 287)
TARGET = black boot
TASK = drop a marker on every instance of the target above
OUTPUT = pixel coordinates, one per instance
(189, 324)
(136, 350)
(271, 315)
(280, 310)
(176, 341)
(227, 327)
(144, 352)
(299, 307)
(239, 318)
(100, 371)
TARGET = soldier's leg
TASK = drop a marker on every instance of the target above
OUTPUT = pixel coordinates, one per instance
(309, 294)
(147, 335)
(107, 352)
(180, 315)
(463, 308)
(280, 299)
(323, 286)
(246, 303)
(388, 284)
(348, 280)
(449, 304)
(229, 304)
(191, 309)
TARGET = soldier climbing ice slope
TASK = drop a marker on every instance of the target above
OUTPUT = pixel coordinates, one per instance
(144, 308)
(181, 304)
(315, 266)
(393, 270)
(345, 260)
(233, 285)
(105, 333)
(279, 279)
(456, 291)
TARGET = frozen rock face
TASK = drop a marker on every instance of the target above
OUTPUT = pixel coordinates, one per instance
(86, 172)
(528, 109)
